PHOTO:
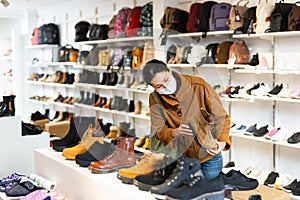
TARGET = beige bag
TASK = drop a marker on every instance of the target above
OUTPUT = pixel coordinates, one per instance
(237, 15)
(263, 16)
(104, 57)
(148, 53)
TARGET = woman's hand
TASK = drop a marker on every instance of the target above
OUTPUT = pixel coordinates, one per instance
(221, 146)
(183, 129)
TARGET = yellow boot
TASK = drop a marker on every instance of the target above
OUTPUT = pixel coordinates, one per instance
(90, 136)
(113, 132)
(140, 142)
(147, 142)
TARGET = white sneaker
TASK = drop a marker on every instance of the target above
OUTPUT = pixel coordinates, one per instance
(282, 180)
(242, 92)
(285, 91)
(282, 135)
(262, 90)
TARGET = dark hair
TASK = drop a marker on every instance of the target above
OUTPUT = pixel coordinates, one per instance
(153, 67)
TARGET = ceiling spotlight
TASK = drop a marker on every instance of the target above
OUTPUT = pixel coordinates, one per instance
(5, 3)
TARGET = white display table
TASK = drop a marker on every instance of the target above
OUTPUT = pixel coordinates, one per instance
(78, 183)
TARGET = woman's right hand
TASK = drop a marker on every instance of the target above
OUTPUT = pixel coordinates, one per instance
(183, 129)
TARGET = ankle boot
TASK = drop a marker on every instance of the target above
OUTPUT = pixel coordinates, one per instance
(121, 79)
(124, 105)
(59, 117)
(83, 124)
(87, 98)
(131, 132)
(104, 78)
(123, 156)
(124, 126)
(126, 80)
(108, 103)
(8, 106)
(93, 99)
(138, 107)
(71, 78)
(117, 102)
(254, 60)
(63, 77)
(65, 116)
(81, 98)
(47, 113)
(104, 101)
(113, 132)
(98, 102)
(131, 106)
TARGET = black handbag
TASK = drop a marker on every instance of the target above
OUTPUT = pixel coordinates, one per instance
(98, 32)
(64, 53)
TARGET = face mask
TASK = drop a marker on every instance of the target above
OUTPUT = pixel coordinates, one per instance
(170, 88)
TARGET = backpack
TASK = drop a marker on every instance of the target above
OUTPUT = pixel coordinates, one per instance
(181, 55)
(192, 23)
(111, 26)
(179, 22)
(294, 19)
(81, 30)
(211, 51)
(250, 20)
(133, 22)
(146, 20)
(222, 54)
(148, 53)
(92, 58)
(167, 19)
(127, 58)
(137, 57)
(279, 17)
(204, 15)
(263, 14)
(121, 22)
(219, 16)
(35, 36)
(48, 34)
(237, 15)
(171, 53)
(239, 52)
(98, 32)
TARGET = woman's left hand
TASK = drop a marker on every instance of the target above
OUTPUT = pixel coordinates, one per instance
(221, 146)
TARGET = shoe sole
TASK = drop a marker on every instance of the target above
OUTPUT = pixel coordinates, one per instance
(125, 180)
(218, 195)
(105, 171)
(142, 186)
(83, 163)
(237, 187)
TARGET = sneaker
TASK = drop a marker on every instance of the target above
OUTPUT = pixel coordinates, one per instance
(296, 191)
(186, 168)
(271, 179)
(251, 129)
(285, 92)
(261, 91)
(210, 189)
(272, 132)
(294, 139)
(243, 90)
(229, 164)
(7, 181)
(282, 135)
(282, 181)
(261, 131)
(239, 129)
(288, 188)
(256, 86)
(296, 94)
(158, 176)
(235, 180)
(275, 90)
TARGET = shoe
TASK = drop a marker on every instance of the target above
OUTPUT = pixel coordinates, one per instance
(282, 180)
(261, 131)
(296, 94)
(239, 129)
(285, 92)
(37, 116)
(243, 91)
(210, 189)
(146, 165)
(256, 86)
(7, 181)
(282, 135)
(236, 181)
(275, 90)
(186, 168)
(90, 136)
(96, 152)
(8, 106)
(296, 191)
(138, 107)
(294, 184)
(254, 60)
(272, 132)
(113, 132)
(122, 157)
(271, 179)
(158, 176)
(22, 187)
(229, 164)
(251, 129)
(30, 129)
(294, 139)
(140, 142)
(108, 103)
(253, 172)
(146, 144)
(261, 91)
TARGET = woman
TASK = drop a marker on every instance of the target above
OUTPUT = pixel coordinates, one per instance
(187, 113)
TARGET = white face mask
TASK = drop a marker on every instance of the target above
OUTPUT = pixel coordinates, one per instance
(170, 88)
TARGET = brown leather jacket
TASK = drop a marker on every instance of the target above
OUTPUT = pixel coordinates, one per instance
(196, 104)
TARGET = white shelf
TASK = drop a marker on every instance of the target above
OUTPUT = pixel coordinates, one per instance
(262, 139)
(269, 35)
(139, 116)
(226, 66)
(41, 46)
(9, 78)
(51, 84)
(38, 102)
(61, 104)
(252, 99)
(92, 67)
(130, 39)
(254, 71)
(61, 63)
(7, 58)
(211, 33)
(84, 106)
(102, 109)
(39, 65)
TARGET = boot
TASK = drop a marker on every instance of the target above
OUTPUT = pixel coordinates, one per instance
(98, 102)
(122, 157)
(59, 117)
(90, 136)
(108, 103)
(71, 78)
(117, 102)
(8, 106)
(113, 132)
(138, 107)
(87, 98)
(104, 101)
(64, 77)
(131, 132)
(131, 106)
(81, 98)
(124, 127)
(146, 165)
(104, 78)
(65, 116)
(126, 80)
(123, 106)
(47, 113)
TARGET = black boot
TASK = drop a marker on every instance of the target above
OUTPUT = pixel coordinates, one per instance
(254, 60)
(81, 99)
(87, 98)
(8, 106)
(124, 127)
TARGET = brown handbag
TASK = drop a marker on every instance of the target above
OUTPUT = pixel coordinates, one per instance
(222, 54)
(237, 15)
(294, 18)
(137, 57)
(239, 52)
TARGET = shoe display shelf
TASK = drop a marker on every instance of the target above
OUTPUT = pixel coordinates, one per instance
(79, 183)
(252, 99)
(51, 84)
(255, 71)
(38, 102)
(17, 150)
(91, 67)
(116, 40)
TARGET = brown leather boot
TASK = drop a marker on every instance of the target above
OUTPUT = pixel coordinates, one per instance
(108, 103)
(64, 78)
(122, 157)
(98, 102)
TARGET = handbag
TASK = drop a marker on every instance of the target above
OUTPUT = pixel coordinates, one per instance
(67, 53)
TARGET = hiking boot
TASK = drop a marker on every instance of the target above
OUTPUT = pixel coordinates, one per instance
(146, 165)
(90, 136)
(96, 152)
(113, 132)
(271, 179)
(158, 176)
(199, 188)
(123, 156)
(186, 169)
(235, 180)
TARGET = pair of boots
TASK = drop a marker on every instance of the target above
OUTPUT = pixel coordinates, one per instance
(120, 104)
(8, 106)
(90, 77)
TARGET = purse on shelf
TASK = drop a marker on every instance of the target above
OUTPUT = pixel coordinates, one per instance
(67, 53)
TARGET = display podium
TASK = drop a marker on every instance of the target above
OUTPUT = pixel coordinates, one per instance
(17, 150)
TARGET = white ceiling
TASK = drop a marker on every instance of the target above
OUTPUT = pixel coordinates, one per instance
(30, 4)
